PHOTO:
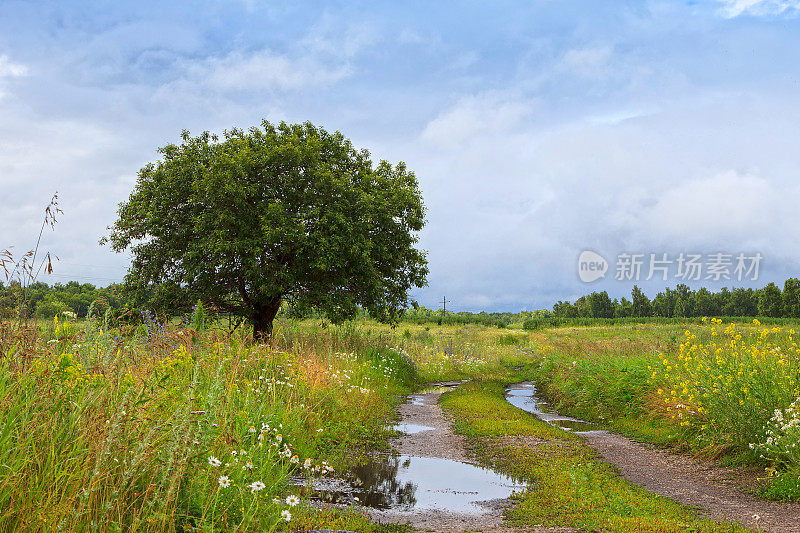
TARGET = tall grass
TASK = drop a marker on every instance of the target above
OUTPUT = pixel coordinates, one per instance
(172, 429)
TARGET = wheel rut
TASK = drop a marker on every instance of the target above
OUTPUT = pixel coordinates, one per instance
(440, 442)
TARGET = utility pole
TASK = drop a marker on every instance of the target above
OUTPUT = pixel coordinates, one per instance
(444, 305)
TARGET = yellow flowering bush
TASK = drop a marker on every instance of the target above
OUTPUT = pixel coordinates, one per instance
(725, 386)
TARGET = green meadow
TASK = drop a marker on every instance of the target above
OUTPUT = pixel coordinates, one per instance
(189, 427)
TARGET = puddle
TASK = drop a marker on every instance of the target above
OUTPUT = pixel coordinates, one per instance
(416, 399)
(410, 429)
(578, 426)
(407, 483)
(436, 389)
(523, 396)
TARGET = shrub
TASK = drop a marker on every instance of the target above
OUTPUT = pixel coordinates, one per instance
(725, 390)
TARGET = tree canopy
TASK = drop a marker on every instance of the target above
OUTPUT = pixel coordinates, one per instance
(281, 213)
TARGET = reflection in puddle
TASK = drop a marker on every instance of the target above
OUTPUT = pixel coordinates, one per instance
(415, 399)
(578, 426)
(410, 429)
(523, 396)
(420, 483)
(436, 389)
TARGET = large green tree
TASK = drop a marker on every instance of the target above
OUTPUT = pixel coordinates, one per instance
(286, 212)
(640, 304)
(770, 301)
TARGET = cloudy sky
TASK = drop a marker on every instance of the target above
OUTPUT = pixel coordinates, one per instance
(537, 129)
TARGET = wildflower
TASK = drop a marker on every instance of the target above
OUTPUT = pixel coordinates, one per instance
(252, 429)
(294, 460)
(256, 486)
(292, 500)
(307, 464)
(286, 515)
(213, 461)
(224, 482)
(248, 466)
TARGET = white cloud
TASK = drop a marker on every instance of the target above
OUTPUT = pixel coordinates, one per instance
(519, 198)
(477, 116)
(8, 69)
(588, 62)
(323, 57)
(734, 8)
(266, 70)
(719, 208)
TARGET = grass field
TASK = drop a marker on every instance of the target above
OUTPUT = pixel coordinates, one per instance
(179, 428)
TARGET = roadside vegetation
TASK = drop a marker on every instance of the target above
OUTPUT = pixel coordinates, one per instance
(182, 428)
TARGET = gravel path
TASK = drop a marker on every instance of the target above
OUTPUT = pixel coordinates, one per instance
(693, 482)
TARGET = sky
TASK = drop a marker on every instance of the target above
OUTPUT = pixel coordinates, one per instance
(537, 129)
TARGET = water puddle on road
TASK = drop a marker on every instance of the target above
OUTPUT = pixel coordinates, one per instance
(411, 429)
(436, 389)
(523, 395)
(418, 398)
(405, 483)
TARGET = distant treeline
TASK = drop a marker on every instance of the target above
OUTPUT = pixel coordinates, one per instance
(423, 315)
(45, 301)
(678, 304)
(683, 302)
(556, 322)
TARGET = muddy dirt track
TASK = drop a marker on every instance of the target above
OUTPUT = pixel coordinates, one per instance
(710, 488)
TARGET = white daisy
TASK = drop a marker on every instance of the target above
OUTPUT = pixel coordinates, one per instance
(213, 461)
(224, 482)
(256, 486)
(292, 500)
(286, 515)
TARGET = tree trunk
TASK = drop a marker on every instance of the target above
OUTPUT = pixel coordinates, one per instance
(263, 316)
